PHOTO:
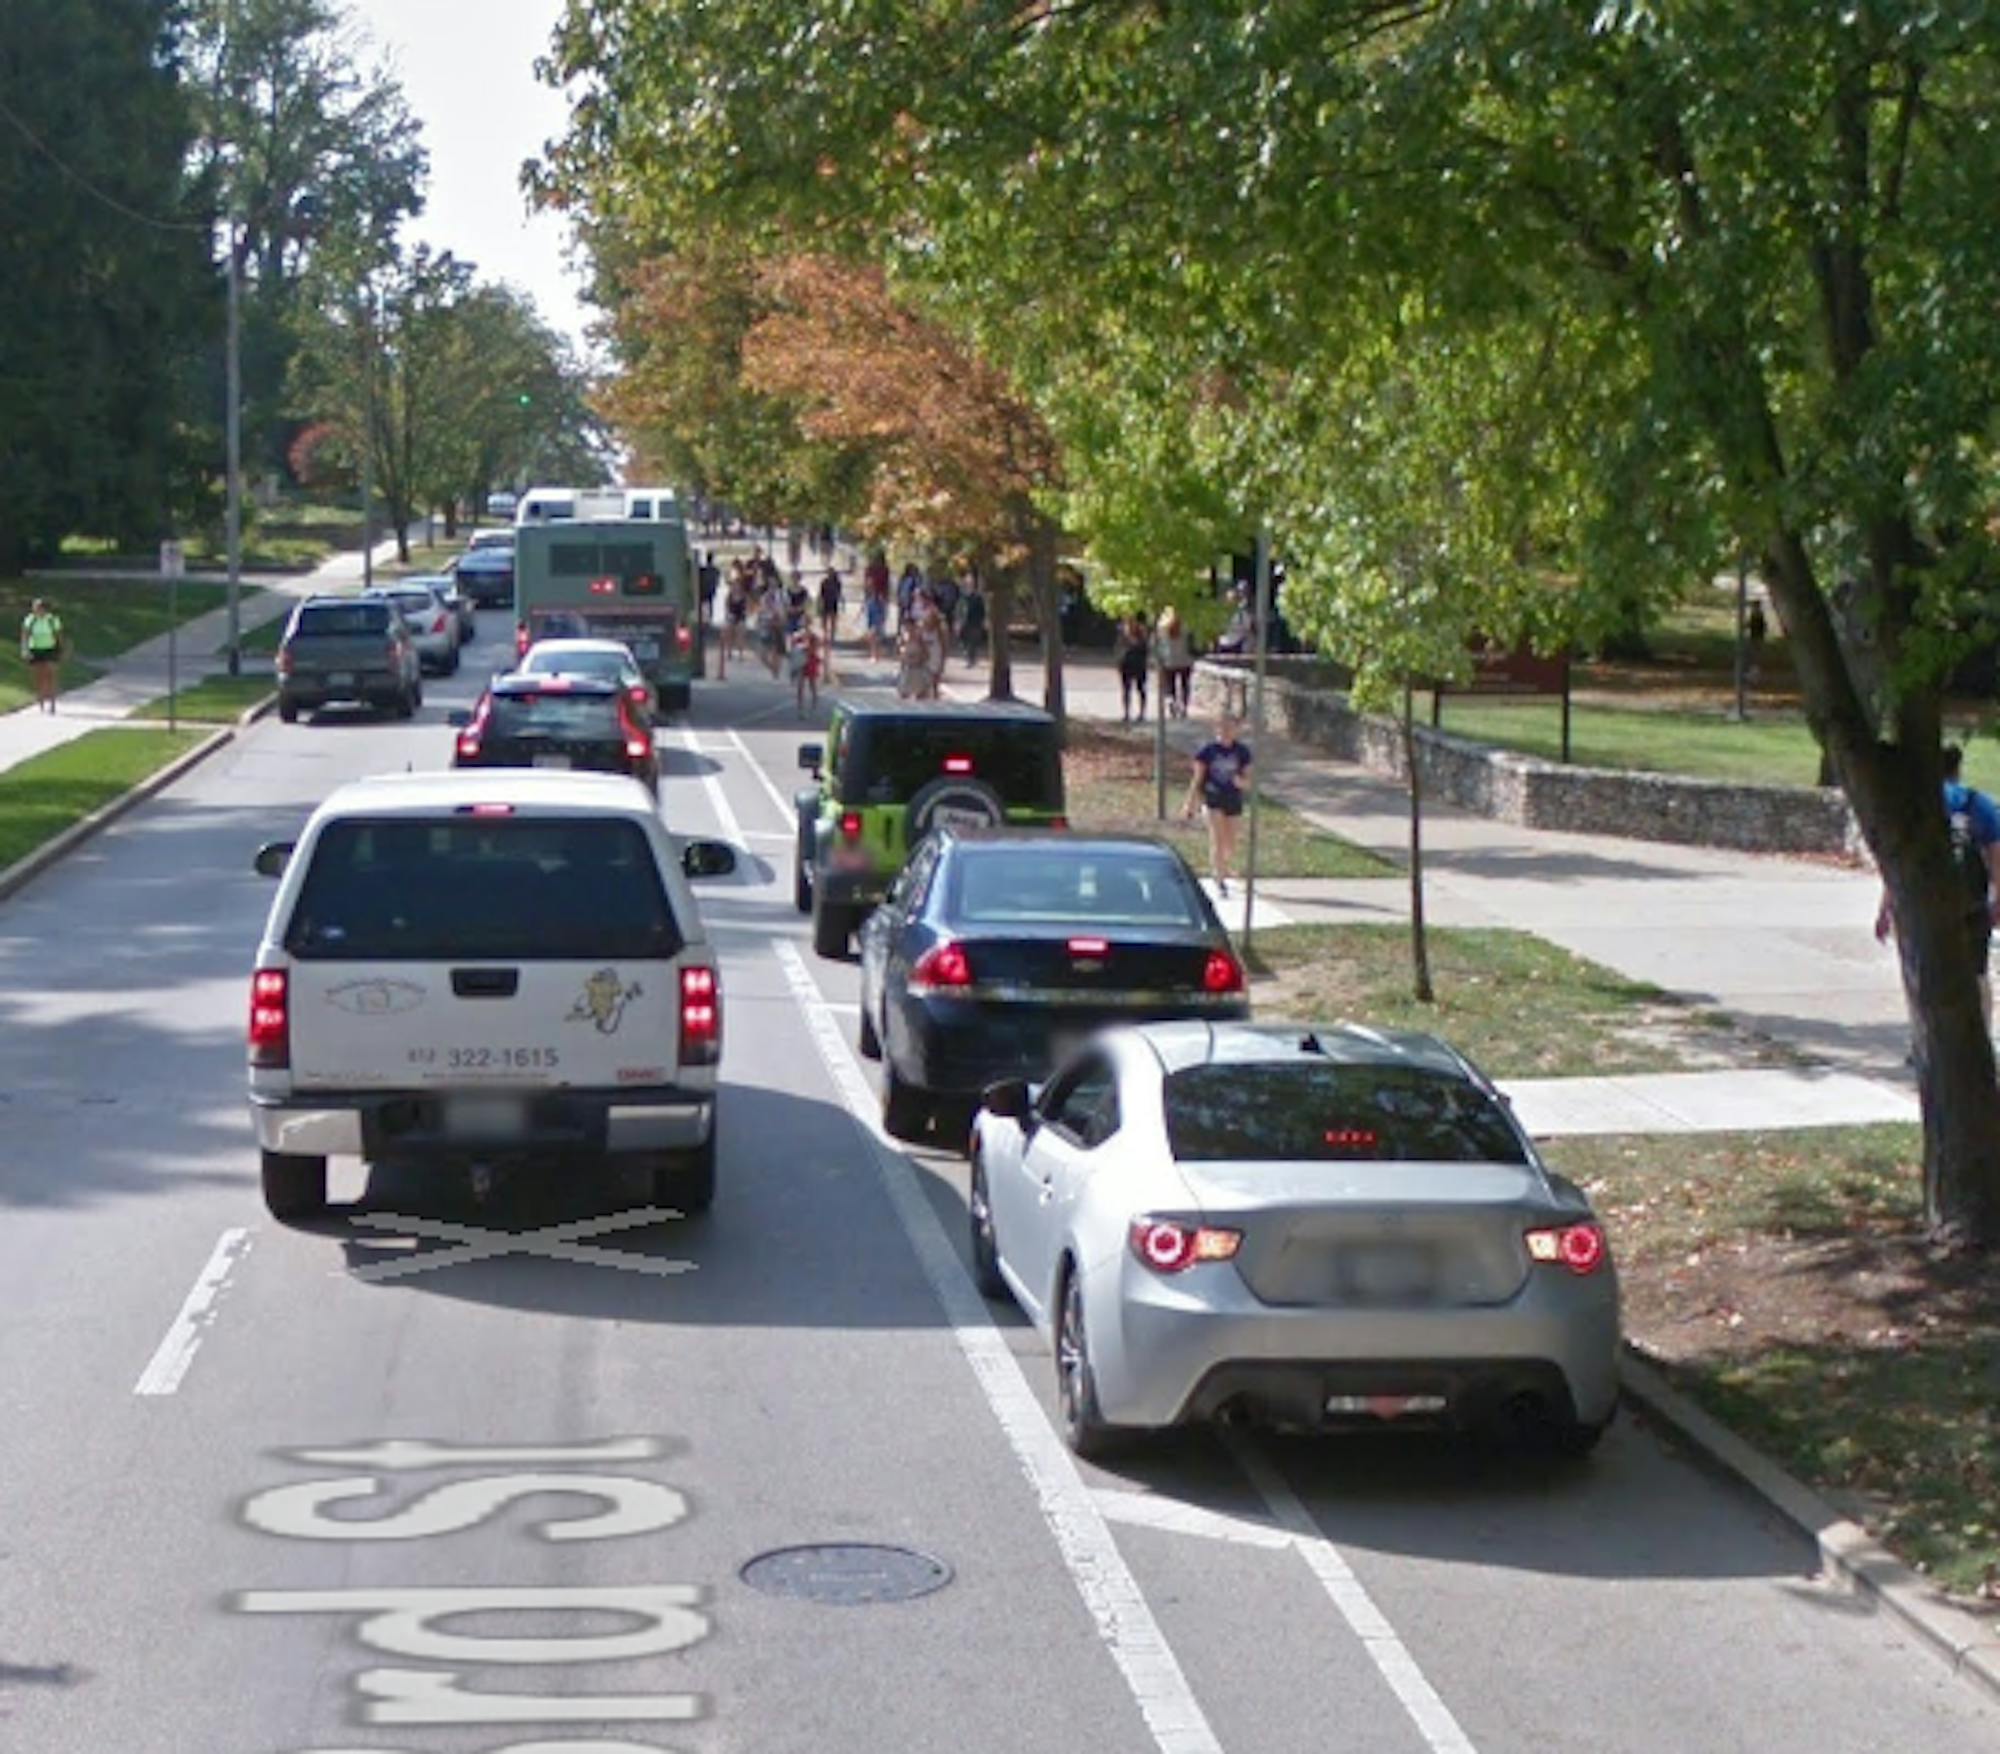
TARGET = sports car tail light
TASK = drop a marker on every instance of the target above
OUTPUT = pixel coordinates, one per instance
(270, 1018)
(850, 825)
(1222, 973)
(637, 744)
(942, 966)
(470, 738)
(521, 640)
(701, 1017)
(1168, 1247)
(1579, 1247)
(437, 626)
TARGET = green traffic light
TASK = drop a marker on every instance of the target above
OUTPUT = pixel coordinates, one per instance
(527, 401)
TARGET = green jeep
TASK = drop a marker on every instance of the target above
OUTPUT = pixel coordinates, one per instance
(887, 775)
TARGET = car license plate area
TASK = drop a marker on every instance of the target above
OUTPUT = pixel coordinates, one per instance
(562, 761)
(1387, 1272)
(340, 679)
(1386, 1407)
(483, 1119)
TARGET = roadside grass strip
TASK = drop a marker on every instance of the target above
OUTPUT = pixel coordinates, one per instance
(1784, 1282)
(1517, 1005)
(1109, 785)
(214, 700)
(52, 791)
(102, 617)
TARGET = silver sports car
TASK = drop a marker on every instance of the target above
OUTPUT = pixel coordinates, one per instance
(1311, 1227)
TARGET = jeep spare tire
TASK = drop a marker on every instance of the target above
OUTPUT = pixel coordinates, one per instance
(951, 801)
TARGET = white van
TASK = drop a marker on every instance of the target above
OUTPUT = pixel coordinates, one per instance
(484, 965)
(551, 505)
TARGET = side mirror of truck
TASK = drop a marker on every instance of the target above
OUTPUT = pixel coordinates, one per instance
(708, 858)
(273, 857)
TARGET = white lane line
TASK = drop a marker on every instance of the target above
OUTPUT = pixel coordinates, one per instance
(787, 811)
(162, 1376)
(1144, 1510)
(1352, 1601)
(1102, 1578)
(731, 828)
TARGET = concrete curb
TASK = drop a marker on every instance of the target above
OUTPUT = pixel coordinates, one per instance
(24, 871)
(263, 709)
(1969, 1644)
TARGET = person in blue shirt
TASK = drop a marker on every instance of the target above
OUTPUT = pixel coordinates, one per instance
(1975, 847)
(1220, 781)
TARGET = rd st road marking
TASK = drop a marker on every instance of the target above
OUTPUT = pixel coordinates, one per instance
(655, 1621)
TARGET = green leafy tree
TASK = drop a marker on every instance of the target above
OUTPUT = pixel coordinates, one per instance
(107, 301)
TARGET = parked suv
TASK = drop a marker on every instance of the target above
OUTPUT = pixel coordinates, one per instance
(347, 649)
(469, 968)
(887, 775)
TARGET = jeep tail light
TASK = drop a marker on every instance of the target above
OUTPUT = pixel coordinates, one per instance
(1170, 1247)
(270, 1018)
(1579, 1247)
(1222, 973)
(701, 1017)
(850, 825)
(942, 968)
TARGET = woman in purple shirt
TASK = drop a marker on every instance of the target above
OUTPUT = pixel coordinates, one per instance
(1221, 778)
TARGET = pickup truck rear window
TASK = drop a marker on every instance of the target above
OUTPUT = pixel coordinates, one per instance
(457, 889)
(341, 620)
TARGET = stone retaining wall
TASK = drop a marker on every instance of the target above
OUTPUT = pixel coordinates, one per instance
(1534, 793)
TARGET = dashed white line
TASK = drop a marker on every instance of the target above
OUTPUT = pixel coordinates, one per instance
(731, 828)
(1110, 1592)
(170, 1361)
(1439, 1729)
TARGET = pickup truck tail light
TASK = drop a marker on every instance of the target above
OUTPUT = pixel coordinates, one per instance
(285, 660)
(701, 1017)
(270, 1018)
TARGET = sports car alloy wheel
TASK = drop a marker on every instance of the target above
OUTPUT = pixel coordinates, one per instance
(1083, 1427)
(985, 1249)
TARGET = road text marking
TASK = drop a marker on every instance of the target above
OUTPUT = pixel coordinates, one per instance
(162, 1376)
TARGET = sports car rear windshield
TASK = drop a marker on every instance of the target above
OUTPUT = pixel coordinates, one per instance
(482, 888)
(1058, 885)
(341, 620)
(1321, 1111)
(888, 761)
(563, 718)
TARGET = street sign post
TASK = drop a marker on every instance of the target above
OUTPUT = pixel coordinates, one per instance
(173, 562)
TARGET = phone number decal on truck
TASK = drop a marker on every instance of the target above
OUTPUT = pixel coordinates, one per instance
(486, 1059)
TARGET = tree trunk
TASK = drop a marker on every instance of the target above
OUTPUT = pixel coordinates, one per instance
(450, 520)
(1042, 581)
(999, 618)
(1420, 949)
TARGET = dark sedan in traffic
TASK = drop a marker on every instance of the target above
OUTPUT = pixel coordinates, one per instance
(558, 722)
(997, 951)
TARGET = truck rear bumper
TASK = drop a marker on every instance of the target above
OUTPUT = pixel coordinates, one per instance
(482, 1124)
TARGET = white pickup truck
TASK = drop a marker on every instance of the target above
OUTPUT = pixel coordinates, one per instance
(483, 965)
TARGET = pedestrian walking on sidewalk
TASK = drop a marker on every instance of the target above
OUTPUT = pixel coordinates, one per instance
(43, 643)
(1221, 781)
(1134, 648)
(1974, 821)
(1176, 662)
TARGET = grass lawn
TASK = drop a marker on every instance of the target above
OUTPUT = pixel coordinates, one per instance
(214, 700)
(1515, 1004)
(45, 795)
(1108, 781)
(102, 617)
(426, 559)
(1782, 1279)
(282, 548)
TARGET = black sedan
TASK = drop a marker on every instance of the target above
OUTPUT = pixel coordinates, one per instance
(560, 722)
(486, 576)
(998, 950)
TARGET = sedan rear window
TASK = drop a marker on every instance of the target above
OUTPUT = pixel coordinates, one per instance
(568, 718)
(604, 666)
(456, 889)
(341, 620)
(1314, 1110)
(1059, 884)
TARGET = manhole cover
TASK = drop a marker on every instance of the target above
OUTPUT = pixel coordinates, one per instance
(847, 1573)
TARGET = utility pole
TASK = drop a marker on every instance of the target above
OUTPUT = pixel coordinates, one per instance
(233, 424)
(1263, 588)
(368, 445)
(1742, 617)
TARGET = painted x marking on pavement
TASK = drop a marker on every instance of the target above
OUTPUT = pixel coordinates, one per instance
(555, 1242)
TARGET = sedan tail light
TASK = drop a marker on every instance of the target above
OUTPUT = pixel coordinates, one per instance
(701, 1017)
(943, 967)
(270, 1018)
(1168, 1246)
(1581, 1248)
(393, 652)
(1222, 973)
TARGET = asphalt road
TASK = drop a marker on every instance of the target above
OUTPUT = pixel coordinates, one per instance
(451, 1474)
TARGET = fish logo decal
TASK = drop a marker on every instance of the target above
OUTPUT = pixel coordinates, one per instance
(383, 998)
(603, 1001)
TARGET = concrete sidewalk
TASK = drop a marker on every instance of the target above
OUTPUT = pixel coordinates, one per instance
(136, 677)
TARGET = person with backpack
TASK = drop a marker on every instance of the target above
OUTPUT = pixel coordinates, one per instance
(1974, 822)
(43, 643)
